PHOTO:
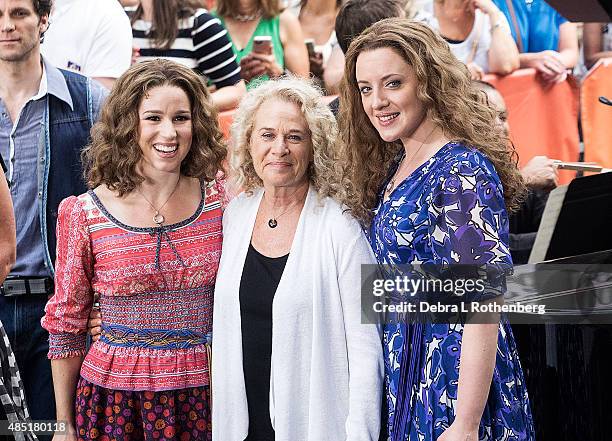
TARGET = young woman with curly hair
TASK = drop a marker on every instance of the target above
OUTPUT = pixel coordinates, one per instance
(429, 174)
(146, 239)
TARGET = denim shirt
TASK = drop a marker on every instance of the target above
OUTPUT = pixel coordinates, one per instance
(29, 146)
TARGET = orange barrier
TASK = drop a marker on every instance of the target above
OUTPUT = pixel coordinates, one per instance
(596, 117)
(543, 121)
(225, 122)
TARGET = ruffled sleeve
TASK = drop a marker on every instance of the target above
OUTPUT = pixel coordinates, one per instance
(67, 311)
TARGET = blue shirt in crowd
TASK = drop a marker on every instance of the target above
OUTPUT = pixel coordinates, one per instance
(22, 145)
(538, 24)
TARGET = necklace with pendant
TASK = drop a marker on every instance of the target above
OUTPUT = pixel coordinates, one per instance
(158, 218)
(272, 222)
(391, 185)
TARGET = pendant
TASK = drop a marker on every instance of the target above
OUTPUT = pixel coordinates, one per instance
(390, 186)
(158, 218)
(272, 223)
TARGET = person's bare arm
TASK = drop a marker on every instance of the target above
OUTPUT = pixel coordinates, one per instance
(503, 55)
(553, 65)
(65, 375)
(478, 352)
(294, 49)
(228, 97)
(593, 48)
(332, 75)
(540, 173)
(568, 44)
(7, 230)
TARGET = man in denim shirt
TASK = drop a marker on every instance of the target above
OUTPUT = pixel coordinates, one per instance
(45, 117)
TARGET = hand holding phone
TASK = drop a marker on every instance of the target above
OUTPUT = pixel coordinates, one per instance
(261, 60)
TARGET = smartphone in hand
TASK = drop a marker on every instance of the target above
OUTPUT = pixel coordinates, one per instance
(262, 44)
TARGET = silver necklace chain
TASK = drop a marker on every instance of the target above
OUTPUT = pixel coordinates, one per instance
(247, 17)
(391, 185)
(159, 218)
(272, 222)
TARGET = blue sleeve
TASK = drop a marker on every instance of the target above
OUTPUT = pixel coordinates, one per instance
(98, 96)
(559, 19)
(468, 222)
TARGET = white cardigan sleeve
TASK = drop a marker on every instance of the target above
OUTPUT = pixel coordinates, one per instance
(364, 346)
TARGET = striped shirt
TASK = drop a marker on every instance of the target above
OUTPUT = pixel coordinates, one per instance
(12, 395)
(202, 43)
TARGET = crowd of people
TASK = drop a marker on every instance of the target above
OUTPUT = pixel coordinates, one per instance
(150, 267)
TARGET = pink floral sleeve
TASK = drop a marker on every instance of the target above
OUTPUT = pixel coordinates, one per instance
(67, 311)
(221, 185)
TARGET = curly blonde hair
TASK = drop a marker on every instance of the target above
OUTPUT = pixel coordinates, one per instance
(319, 119)
(113, 155)
(450, 99)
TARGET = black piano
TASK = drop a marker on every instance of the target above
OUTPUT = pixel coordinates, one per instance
(567, 354)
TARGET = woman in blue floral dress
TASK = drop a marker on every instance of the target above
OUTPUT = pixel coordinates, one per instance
(430, 174)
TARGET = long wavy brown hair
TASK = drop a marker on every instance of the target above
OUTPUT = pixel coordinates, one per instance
(166, 16)
(113, 155)
(452, 103)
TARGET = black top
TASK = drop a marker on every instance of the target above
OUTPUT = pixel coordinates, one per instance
(524, 225)
(260, 278)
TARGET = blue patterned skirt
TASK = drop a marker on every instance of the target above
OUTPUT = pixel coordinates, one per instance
(507, 414)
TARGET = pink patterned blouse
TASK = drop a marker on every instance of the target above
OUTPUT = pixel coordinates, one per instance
(155, 287)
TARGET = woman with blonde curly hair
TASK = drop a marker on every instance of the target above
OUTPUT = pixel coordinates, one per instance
(429, 174)
(146, 240)
(291, 359)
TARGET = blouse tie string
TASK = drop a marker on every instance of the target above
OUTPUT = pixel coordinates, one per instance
(162, 233)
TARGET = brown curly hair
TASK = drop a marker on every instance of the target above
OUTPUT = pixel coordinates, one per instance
(452, 103)
(113, 155)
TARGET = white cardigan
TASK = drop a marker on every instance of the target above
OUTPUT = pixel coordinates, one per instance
(327, 367)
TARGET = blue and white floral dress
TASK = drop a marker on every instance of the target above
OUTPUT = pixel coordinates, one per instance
(450, 210)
